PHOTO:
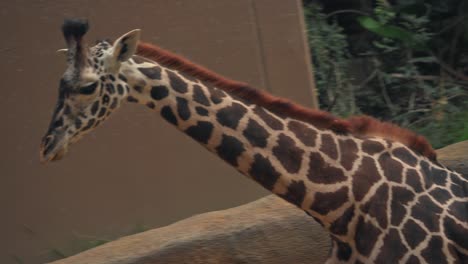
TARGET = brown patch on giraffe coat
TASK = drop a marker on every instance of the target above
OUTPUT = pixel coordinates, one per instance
(457, 255)
(413, 233)
(393, 250)
(102, 112)
(433, 252)
(322, 172)
(201, 111)
(329, 201)
(392, 169)
(110, 88)
(121, 76)
(168, 114)
(78, 123)
(106, 99)
(256, 134)
(289, 155)
(344, 251)
(440, 195)
(377, 206)
(458, 187)
(405, 156)
(199, 96)
(177, 83)
(459, 210)
(295, 193)
(150, 105)
(231, 115)
(372, 147)
(182, 108)
(230, 149)
(120, 89)
(216, 95)
(414, 180)
(201, 132)
(340, 225)
(89, 124)
(359, 126)
(364, 178)
(263, 172)
(439, 176)
(153, 73)
(413, 260)
(400, 198)
(95, 107)
(306, 135)
(138, 88)
(159, 92)
(455, 232)
(270, 120)
(366, 236)
(131, 99)
(349, 153)
(329, 146)
(426, 173)
(426, 211)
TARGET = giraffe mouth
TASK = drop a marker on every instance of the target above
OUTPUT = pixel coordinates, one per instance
(52, 149)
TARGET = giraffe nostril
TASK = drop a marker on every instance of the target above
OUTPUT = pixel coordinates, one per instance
(47, 140)
(47, 144)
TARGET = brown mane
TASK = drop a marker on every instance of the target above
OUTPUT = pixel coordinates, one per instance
(358, 125)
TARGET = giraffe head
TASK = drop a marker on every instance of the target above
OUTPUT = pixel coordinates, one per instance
(91, 88)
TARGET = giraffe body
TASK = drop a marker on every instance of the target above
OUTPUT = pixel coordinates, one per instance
(381, 201)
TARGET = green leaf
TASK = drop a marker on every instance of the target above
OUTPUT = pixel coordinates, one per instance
(423, 60)
(389, 31)
(369, 23)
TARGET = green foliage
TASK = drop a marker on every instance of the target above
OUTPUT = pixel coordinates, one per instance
(330, 54)
(451, 129)
(386, 31)
(403, 63)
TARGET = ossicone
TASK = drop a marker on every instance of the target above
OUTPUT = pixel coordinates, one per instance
(74, 28)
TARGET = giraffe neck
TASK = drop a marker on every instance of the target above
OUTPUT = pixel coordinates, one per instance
(274, 151)
(371, 194)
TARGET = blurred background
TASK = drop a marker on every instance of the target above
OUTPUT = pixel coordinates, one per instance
(136, 171)
(401, 61)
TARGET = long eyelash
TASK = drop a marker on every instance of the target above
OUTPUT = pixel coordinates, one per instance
(88, 89)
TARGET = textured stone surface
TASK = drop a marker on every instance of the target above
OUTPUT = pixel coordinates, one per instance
(268, 230)
(455, 156)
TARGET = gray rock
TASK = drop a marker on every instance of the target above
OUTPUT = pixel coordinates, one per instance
(268, 230)
(455, 156)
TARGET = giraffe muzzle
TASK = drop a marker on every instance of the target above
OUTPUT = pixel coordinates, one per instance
(52, 148)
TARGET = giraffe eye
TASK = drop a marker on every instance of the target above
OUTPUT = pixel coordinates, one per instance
(88, 89)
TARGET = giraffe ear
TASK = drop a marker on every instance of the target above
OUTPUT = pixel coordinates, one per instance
(125, 46)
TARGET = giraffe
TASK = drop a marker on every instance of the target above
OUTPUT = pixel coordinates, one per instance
(377, 189)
